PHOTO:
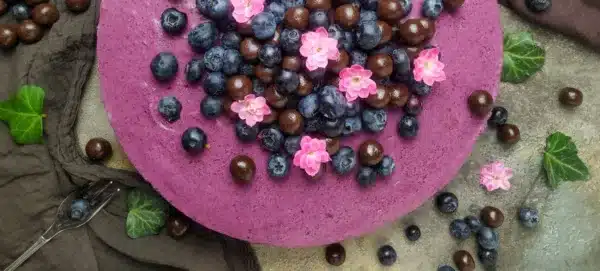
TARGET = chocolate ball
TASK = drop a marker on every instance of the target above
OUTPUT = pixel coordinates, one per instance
(29, 32)
(413, 51)
(274, 97)
(480, 103)
(3, 7)
(8, 37)
(381, 65)
(335, 254)
(380, 99)
(292, 63)
(318, 4)
(227, 108)
(370, 152)
(347, 15)
(98, 149)
(333, 145)
(492, 216)
(296, 17)
(265, 74)
(413, 106)
(463, 260)
(249, 48)
(452, 5)
(242, 169)
(45, 14)
(271, 118)
(390, 10)
(386, 31)
(238, 86)
(336, 66)
(570, 97)
(415, 31)
(291, 122)
(35, 2)
(305, 85)
(177, 226)
(398, 95)
(508, 133)
(77, 6)
(245, 29)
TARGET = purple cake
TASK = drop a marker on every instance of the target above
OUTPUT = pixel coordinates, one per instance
(294, 212)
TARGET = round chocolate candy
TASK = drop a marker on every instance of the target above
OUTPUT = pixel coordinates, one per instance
(292, 63)
(347, 15)
(335, 254)
(480, 103)
(265, 74)
(463, 260)
(238, 86)
(390, 10)
(177, 226)
(305, 85)
(77, 6)
(3, 7)
(227, 108)
(291, 122)
(274, 97)
(45, 14)
(386, 31)
(318, 4)
(380, 99)
(245, 29)
(333, 145)
(98, 149)
(242, 169)
(492, 216)
(381, 65)
(398, 95)
(8, 37)
(29, 32)
(336, 66)
(413, 106)
(249, 48)
(415, 31)
(570, 97)
(413, 51)
(296, 17)
(271, 118)
(508, 133)
(452, 5)
(370, 152)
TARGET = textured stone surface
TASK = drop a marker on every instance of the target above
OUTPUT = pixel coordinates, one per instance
(567, 237)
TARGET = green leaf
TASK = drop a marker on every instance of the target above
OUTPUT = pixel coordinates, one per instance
(147, 213)
(561, 161)
(522, 57)
(23, 112)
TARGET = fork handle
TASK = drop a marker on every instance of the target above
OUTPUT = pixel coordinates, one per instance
(32, 249)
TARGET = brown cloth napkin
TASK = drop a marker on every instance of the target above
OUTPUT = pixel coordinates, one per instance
(579, 19)
(35, 178)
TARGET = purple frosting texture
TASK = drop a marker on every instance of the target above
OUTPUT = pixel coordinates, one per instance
(295, 212)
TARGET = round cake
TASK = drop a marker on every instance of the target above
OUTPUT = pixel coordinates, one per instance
(295, 211)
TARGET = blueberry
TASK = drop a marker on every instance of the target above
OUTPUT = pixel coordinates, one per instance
(213, 59)
(353, 109)
(269, 55)
(164, 66)
(80, 209)
(247, 69)
(332, 127)
(292, 144)
(287, 81)
(413, 233)
(407, 6)
(366, 176)
(20, 12)
(369, 4)
(401, 61)
(347, 43)
(459, 229)
(289, 40)
(318, 18)
(173, 21)
(488, 238)
(473, 222)
(231, 40)
(214, 84)
(203, 36)
(292, 3)
(232, 59)
(194, 70)
(169, 108)
(344, 160)
(420, 88)
(211, 107)
(244, 132)
(528, 217)
(408, 126)
(227, 24)
(386, 166)
(278, 10)
(271, 139)
(385, 49)
(358, 58)
(264, 25)
(332, 103)
(278, 165)
(368, 15)
(352, 125)
(309, 105)
(193, 140)
(446, 202)
(313, 125)
(487, 257)
(538, 6)
(432, 8)
(214, 9)
(374, 119)
(499, 116)
(413, 106)
(368, 35)
(445, 268)
(336, 32)
(386, 255)
(257, 87)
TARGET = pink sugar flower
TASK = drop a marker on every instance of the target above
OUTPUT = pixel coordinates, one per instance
(356, 82)
(312, 153)
(244, 10)
(428, 67)
(252, 109)
(318, 48)
(495, 175)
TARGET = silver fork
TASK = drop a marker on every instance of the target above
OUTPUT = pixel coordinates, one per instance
(97, 194)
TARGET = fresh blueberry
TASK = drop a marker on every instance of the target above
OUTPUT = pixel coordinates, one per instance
(80, 208)
(173, 21)
(287, 81)
(203, 36)
(445, 268)
(374, 119)
(336, 32)
(366, 176)
(368, 15)
(231, 40)
(499, 116)
(413, 106)
(194, 70)
(164, 66)
(244, 132)
(214, 83)
(412, 232)
(352, 125)
(309, 105)
(432, 8)
(193, 140)
(487, 257)
(332, 103)
(169, 108)
(420, 88)
(318, 18)
(332, 127)
(529, 217)
(344, 160)
(278, 165)
(385, 49)
(271, 139)
(20, 12)
(488, 238)
(369, 5)
(407, 6)
(401, 61)
(474, 223)
(290, 40)
(386, 166)
(404, 78)
(313, 125)
(347, 43)
(368, 35)
(408, 126)
(278, 10)
(292, 3)
(269, 55)
(358, 58)
(214, 9)
(292, 144)
(232, 59)
(386, 255)
(538, 6)
(446, 202)
(213, 59)
(459, 229)
(211, 107)
(227, 24)
(353, 109)
(258, 88)
(264, 25)
(247, 69)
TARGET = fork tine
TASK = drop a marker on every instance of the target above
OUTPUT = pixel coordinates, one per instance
(96, 189)
(102, 203)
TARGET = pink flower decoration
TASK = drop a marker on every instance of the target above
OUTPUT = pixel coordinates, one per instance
(318, 48)
(495, 175)
(356, 82)
(244, 10)
(312, 153)
(428, 67)
(251, 109)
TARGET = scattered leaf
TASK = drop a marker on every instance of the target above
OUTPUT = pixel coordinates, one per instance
(23, 113)
(522, 57)
(561, 161)
(147, 213)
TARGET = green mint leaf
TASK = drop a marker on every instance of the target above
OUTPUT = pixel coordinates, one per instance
(522, 57)
(6, 110)
(561, 161)
(23, 113)
(147, 213)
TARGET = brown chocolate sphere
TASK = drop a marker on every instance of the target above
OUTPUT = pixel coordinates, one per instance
(336, 66)
(77, 6)
(177, 226)
(271, 118)
(413, 51)
(318, 4)
(242, 169)
(245, 29)
(264, 73)
(249, 48)
(347, 15)
(305, 86)
(480, 103)
(335, 254)
(291, 122)
(570, 97)
(381, 65)
(415, 31)
(492, 216)
(296, 17)
(413, 106)
(398, 95)
(452, 5)
(463, 260)
(386, 31)
(508, 133)
(29, 32)
(390, 10)
(370, 152)
(98, 149)
(45, 14)
(292, 63)
(35, 2)
(274, 97)
(238, 86)
(380, 99)
(8, 37)
(3, 7)
(333, 145)
(227, 108)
